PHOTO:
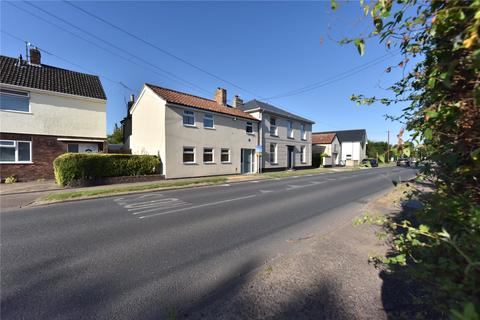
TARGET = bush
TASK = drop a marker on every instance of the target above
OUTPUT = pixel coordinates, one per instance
(10, 180)
(70, 167)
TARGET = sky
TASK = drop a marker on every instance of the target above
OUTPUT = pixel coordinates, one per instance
(256, 50)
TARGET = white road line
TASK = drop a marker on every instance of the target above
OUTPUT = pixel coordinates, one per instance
(150, 203)
(266, 191)
(170, 206)
(199, 206)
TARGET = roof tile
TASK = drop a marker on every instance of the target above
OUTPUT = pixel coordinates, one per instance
(323, 138)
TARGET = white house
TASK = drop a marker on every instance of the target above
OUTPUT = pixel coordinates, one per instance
(46, 111)
(353, 145)
(193, 136)
(286, 138)
(328, 145)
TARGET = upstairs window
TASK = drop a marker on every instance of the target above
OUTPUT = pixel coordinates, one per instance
(208, 121)
(15, 151)
(303, 133)
(11, 100)
(289, 129)
(249, 127)
(273, 127)
(188, 118)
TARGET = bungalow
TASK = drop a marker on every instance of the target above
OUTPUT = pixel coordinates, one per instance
(193, 136)
(46, 111)
(328, 145)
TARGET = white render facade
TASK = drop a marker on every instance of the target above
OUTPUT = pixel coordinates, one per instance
(353, 152)
(332, 151)
(192, 142)
(286, 139)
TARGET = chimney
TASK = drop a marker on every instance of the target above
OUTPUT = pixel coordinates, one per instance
(35, 56)
(130, 102)
(221, 96)
(237, 102)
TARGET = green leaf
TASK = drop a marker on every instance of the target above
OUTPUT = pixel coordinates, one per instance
(360, 43)
(431, 82)
(406, 152)
(423, 228)
(427, 134)
(333, 5)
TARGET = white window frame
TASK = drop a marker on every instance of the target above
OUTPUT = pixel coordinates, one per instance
(303, 132)
(15, 146)
(303, 154)
(221, 154)
(210, 115)
(275, 153)
(17, 93)
(188, 113)
(274, 127)
(213, 155)
(290, 129)
(249, 124)
(193, 152)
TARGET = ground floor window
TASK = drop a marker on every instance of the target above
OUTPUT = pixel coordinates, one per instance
(82, 147)
(208, 155)
(12, 151)
(188, 155)
(303, 154)
(273, 153)
(225, 155)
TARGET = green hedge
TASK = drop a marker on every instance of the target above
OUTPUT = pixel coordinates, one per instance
(70, 167)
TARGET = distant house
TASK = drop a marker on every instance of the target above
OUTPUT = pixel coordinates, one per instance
(353, 145)
(193, 136)
(286, 138)
(329, 145)
(46, 111)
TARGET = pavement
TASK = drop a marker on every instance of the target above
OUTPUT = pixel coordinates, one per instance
(157, 255)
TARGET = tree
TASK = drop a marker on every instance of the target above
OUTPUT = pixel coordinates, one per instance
(376, 148)
(440, 244)
(117, 135)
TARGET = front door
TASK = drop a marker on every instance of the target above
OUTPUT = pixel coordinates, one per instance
(247, 160)
(290, 157)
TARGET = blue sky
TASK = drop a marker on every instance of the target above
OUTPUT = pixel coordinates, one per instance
(264, 48)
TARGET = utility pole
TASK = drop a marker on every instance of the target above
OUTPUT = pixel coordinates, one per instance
(388, 146)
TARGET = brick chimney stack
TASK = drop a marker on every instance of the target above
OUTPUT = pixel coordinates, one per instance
(237, 102)
(35, 56)
(221, 96)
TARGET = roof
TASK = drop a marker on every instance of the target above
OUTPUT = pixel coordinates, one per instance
(348, 135)
(45, 77)
(323, 138)
(189, 100)
(255, 104)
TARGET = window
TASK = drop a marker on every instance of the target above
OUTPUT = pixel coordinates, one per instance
(14, 100)
(349, 157)
(303, 133)
(273, 126)
(188, 155)
(72, 147)
(15, 151)
(249, 127)
(208, 155)
(225, 155)
(303, 154)
(208, 121)
(289, 129)
(188, 118)
(273, 153)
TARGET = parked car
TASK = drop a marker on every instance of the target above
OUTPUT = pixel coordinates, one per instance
(369, 163)
(403, 162)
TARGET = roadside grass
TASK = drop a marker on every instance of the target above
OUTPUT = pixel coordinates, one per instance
(169, 184)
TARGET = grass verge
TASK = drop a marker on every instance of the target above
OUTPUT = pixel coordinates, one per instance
(92, 193)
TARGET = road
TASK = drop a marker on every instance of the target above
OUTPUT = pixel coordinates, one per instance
(155, 254)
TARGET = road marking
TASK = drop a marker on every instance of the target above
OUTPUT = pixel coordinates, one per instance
(169, 206)
(199, 206)
(266, 191)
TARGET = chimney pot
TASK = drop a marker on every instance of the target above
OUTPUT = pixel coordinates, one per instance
(35, 56)
(131, 102)
(237, 102)
(221, 96)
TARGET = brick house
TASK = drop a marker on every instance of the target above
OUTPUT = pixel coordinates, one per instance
(46, 111)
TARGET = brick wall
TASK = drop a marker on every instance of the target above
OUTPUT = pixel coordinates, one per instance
(44, 150)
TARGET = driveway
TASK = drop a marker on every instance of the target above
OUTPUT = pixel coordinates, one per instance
(148, 256)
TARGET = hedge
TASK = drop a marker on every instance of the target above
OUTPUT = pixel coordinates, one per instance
(70, 167)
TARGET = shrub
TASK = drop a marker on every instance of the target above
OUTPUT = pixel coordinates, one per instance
(10, 179)
(70, 167)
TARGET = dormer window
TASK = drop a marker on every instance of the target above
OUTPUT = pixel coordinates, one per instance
(13, 100)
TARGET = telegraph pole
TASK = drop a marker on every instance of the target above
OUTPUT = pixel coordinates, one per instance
(388, 146)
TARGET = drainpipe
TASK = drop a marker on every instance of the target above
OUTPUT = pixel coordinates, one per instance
(260, 141)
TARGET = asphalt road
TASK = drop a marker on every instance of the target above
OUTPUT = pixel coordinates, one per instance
(159, 254)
